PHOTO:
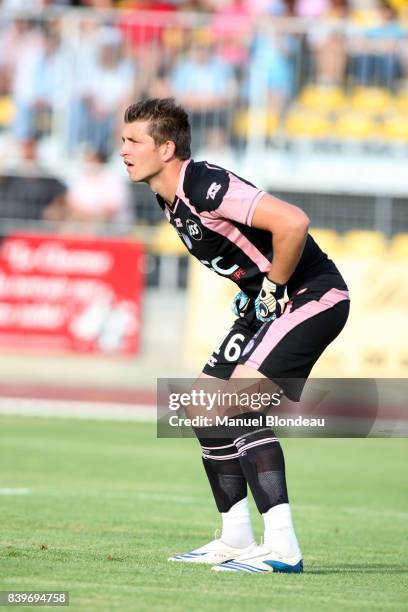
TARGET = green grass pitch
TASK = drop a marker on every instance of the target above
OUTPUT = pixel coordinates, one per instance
(109, 503)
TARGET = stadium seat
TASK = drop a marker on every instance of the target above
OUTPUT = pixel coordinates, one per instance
(322, 98)
(399, 246)
(364, 243)
(328, 240)
(300, 122)
(364, 17)
(401, 102)
(395, 126)
(6, 111)
(371, 100)
(165, 241)
(355, 125)
(262, 124)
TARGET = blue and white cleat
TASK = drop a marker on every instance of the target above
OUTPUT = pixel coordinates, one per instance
(214, 552)
(261, 560)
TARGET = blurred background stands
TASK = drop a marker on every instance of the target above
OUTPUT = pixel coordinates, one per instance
(307, 98)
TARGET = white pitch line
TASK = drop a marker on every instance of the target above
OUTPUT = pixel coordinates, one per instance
(15, 491)
(106, 411)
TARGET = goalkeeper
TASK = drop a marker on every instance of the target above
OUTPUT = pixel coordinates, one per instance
(292, 303)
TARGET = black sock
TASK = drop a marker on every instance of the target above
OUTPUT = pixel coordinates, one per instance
(223, 469)
(262, 462)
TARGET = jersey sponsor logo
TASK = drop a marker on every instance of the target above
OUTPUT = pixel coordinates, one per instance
(238, 274)
(194, 229)
(213, 190)
(214, 265)
(212, 361)
(178, 222)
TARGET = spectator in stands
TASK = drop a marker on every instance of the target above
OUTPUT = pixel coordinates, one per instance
(232, 30)
(377, 55)
(144, 36)
(273, 8)
(22, 58)
(97, 194)
(107, 83)
(26, 191)
(311, 9)
(204, 83)
(81, 51)
(13, 36)
(328, 42)
(270, 76)
(38, 79)
(139, 32)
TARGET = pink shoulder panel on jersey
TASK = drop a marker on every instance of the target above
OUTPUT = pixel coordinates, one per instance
(240, 201)
(223, 226)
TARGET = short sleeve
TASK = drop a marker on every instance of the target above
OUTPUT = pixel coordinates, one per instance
(240, 201)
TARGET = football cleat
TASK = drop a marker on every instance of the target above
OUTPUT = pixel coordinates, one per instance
(214, 552)
(262, 559)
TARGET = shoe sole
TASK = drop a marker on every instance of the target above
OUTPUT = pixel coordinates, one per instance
(277, 567)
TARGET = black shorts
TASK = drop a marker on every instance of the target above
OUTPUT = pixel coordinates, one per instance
(285, 350)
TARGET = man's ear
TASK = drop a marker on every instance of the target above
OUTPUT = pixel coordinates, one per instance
(168, 150)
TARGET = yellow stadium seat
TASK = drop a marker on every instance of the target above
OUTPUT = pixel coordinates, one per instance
(356, 125)
(399, 246)
(399, 5)
(364, 18)
(261, 125)
(7, 111)
(165, 241)
(371, 100)
(395, 126)
(322, 98)
(328, 240)
(364, 243)
(401, 102)
(300, 122)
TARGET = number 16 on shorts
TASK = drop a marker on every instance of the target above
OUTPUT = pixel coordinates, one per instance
(230, 353)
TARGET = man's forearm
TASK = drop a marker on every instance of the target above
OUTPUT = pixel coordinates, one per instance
(287, 251)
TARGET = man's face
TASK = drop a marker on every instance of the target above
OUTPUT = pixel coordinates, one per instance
(142, 158)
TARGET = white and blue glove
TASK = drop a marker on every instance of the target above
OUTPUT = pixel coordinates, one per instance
(240, 304)
(270, 302)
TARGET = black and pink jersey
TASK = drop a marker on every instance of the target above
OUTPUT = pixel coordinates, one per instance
(212, 213)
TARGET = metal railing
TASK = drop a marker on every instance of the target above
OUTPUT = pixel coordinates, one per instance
(240, 86)
(260, 95)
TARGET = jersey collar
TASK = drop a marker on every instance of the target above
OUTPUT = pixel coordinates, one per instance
(179, 191)
(180, 186)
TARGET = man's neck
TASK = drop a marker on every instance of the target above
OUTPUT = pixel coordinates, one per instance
(165, 184)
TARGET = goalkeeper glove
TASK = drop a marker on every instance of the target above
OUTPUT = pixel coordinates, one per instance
(270, 302)
(240, 304)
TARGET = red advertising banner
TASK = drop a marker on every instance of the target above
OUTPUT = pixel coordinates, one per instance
(70, 294)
